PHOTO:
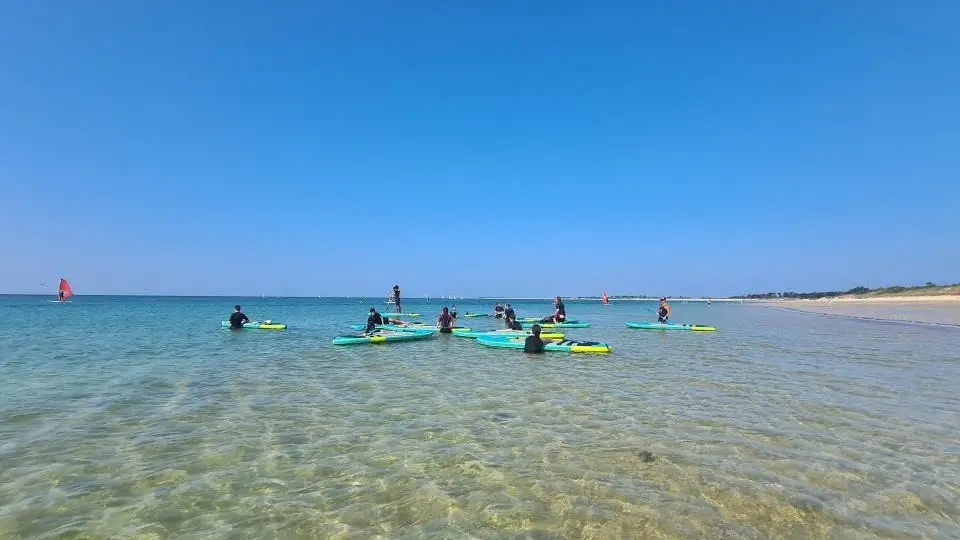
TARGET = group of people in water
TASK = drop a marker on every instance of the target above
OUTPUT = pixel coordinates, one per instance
(559, 312)
(446, 323)
(446, 320)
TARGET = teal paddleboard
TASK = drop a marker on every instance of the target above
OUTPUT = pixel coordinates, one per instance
(506, 333)
(503, 342)
(670, 326)
(381, 337)
(410, 328)
(253, 325)
(558, 325)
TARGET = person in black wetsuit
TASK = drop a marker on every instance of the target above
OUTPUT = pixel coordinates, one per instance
(507, 313)
(454, 312)
(374, 320)
(237, 318)
(512, 323)
(396, 297)
(559, 312)
(445, 321)
(533, 343)
(498, 311)
(61, 294)
(663, 312)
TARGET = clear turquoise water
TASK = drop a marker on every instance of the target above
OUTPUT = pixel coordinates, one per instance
(141, 418)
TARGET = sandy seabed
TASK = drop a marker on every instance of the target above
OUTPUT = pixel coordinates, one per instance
(943, 310)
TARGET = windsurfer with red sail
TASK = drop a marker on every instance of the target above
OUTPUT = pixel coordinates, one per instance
(64, 291)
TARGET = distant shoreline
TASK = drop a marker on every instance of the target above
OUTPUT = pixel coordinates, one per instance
(902, 299)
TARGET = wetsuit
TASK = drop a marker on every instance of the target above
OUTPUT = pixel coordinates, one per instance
(533, 344)
(237, 319)
(373, 321)
(662, 314)
(561, 312)
(508, 312)
(445, 322)
(514, 325)
(396, 298)
(498, 312)
(453, 312)
(60, 295)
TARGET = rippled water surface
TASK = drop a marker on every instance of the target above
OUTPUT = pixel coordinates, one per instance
(141, 418)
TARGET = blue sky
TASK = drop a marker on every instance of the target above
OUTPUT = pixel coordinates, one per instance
(486, 148)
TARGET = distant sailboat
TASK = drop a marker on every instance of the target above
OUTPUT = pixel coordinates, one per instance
(63, 292)
(605, 300)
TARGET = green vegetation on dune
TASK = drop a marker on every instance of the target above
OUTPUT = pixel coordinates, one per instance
(929, 289)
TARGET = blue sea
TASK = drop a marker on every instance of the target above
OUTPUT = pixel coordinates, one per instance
(139, 417)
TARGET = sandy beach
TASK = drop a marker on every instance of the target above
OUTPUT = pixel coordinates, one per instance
(943, 310)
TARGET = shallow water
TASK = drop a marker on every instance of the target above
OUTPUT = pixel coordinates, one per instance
(926, 312)
(141, 418)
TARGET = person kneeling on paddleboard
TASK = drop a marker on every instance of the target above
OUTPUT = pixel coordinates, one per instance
(374, 320)
(560, 315)
(663, 312)
(445, 321)
(507, 313)
(559, 312)
(512, 323)
(237, 318)
(533, 344)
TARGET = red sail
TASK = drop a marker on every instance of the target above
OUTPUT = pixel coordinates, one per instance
(65, 287)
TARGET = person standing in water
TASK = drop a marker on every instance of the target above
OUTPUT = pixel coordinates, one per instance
(454, 312)
(396, 297)
(663, 312)
(237, 318)
(445, 321)
(533, 344)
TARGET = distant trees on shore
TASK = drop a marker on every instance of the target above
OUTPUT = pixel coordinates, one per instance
(861, 290)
